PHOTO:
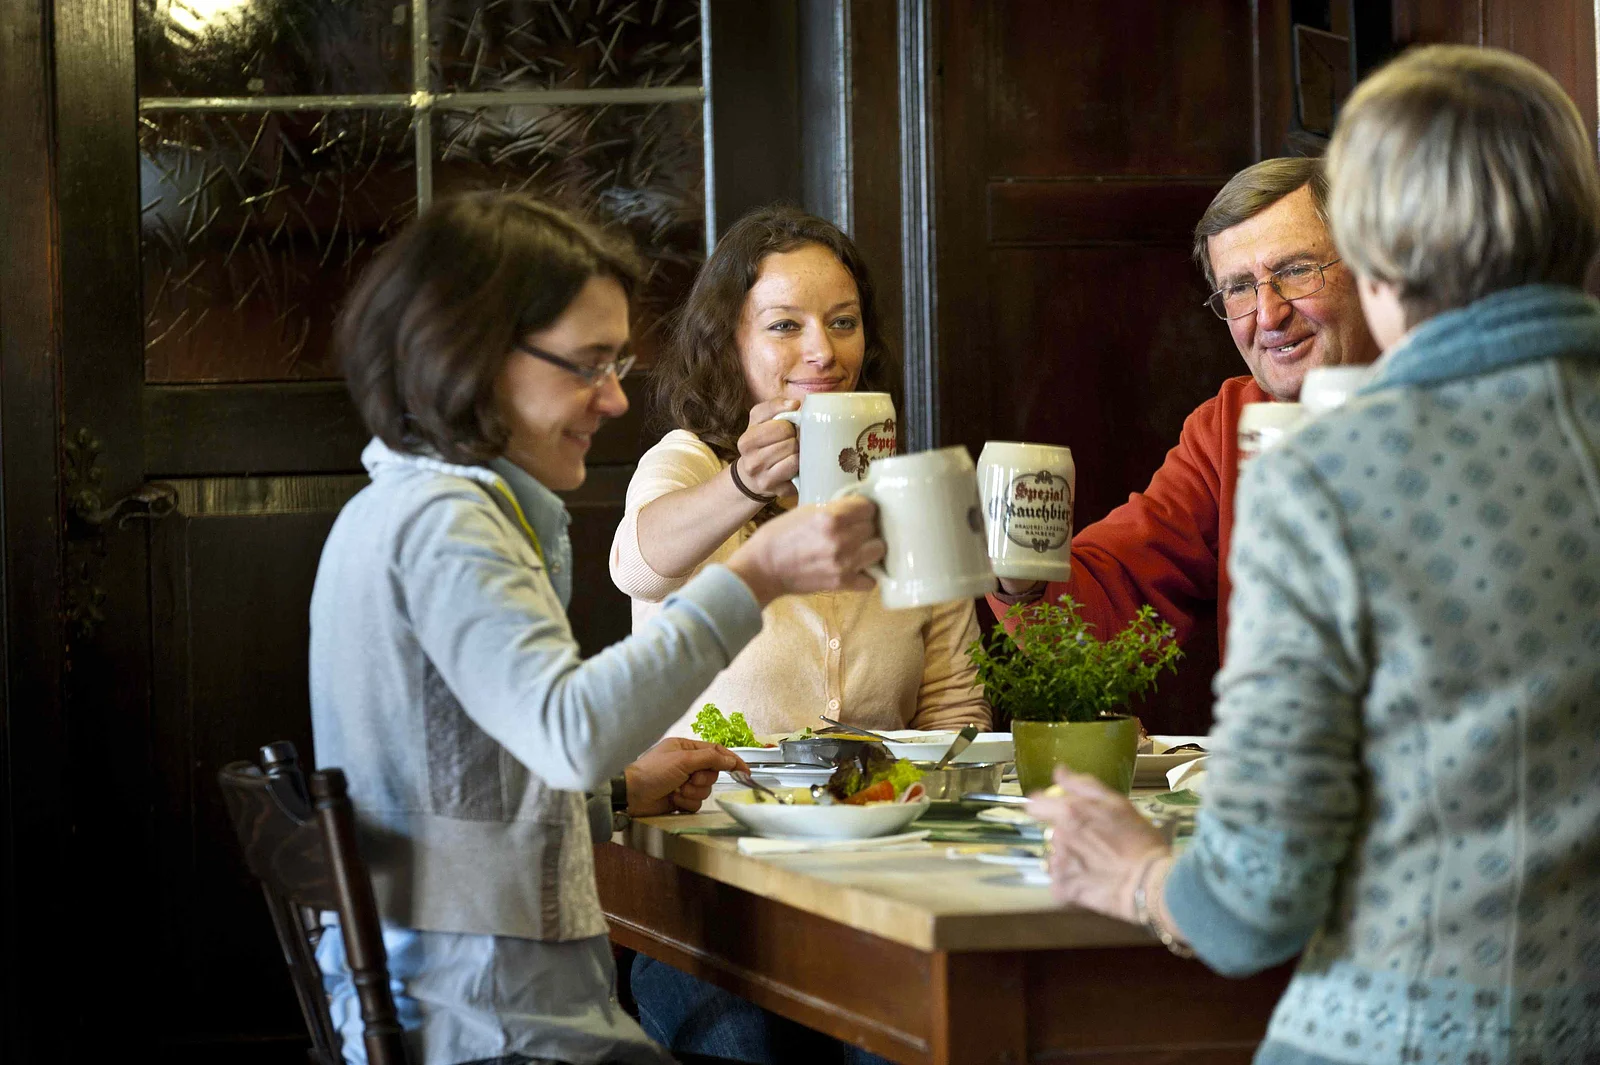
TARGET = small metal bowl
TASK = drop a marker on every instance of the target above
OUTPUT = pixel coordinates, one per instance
(957, 779)
(822, 750)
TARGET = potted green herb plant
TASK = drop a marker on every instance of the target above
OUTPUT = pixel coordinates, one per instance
(1067, 692)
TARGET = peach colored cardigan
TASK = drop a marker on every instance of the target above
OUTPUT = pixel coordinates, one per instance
(840, 654)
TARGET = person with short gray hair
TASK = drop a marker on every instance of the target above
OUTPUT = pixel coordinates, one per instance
(1520, 178)
(1402, 786)
(1290, 304)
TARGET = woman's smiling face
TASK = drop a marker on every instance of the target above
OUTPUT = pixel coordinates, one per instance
(800, 328)
(552, 414)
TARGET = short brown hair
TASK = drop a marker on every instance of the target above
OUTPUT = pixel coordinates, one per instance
(1251, 191)
(1458, 172)
(700, 381)
(435, 314)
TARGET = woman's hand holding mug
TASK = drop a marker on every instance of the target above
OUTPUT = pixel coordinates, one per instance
(769, 450)
(821, 548)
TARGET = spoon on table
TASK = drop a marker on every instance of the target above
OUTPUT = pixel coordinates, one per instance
(759, 789)
(962, 741)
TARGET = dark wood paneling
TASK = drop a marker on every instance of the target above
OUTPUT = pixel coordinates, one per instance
(755, 106)
(1559, 35)
(102, 366)
(231, 635)
(287, 428)
(1079, 144)
(600, 615)
(35, 783)
(1101, 1001)
(1088, 88)
(1097, 211)
(874, 160)
(235, 430)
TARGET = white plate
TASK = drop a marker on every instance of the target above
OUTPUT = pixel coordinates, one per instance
(930, 746)
(787, 776)
(807, 821)
(1150, 770)
(758, 755)
(1016, 818)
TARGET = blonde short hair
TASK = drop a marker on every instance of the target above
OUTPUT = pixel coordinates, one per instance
(1251, 191)
(1458, 172)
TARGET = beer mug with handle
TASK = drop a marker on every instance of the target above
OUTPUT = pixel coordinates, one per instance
(841, 435)
(932, 524)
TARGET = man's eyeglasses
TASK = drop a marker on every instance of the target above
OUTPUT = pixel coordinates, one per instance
(1291, 283)
(593, 376)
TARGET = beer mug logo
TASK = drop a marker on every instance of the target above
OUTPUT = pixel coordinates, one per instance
(877, 441)
(1037, 511)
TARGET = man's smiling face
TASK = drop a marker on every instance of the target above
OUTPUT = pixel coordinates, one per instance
(1282, 340)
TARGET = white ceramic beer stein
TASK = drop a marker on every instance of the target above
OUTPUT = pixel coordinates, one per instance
(1027, 492)
(841, 435)
(1327, 387)
(1264, 425)
(932, 523)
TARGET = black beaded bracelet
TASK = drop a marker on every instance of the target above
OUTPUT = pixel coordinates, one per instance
(733, 468)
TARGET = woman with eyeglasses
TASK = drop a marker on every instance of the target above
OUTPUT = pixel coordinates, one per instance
(1402, 788)
(483, 348)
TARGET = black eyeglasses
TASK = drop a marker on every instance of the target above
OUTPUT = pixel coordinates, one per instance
(1291, 283)
(593, 376)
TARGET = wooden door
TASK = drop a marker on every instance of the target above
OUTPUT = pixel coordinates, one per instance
(224, 172)
(1076, 145)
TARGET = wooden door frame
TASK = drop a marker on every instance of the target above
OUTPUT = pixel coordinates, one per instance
(35, 975)
(74, 758)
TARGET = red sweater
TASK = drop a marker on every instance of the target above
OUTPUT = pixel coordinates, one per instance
(1167, 546)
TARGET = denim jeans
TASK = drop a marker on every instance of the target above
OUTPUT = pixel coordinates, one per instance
(690, 1016)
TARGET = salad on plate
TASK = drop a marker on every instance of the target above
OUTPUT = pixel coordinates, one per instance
(871, 774)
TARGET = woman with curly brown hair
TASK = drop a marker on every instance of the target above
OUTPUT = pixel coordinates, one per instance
(782, 309)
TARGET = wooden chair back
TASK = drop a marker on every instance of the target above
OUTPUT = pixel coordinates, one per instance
(299, 840)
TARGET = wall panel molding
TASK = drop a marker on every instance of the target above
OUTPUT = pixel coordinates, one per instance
(1089, 212)
(919, 279)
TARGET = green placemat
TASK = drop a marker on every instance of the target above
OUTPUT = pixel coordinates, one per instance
(731, 831)
(943, 830)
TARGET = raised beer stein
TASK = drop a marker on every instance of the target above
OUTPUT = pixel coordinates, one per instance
(1265, 425)
(932, 526)
(1327, 387)
(841, 435)
(1027, 494)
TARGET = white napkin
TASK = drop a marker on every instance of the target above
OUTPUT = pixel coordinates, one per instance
(1189, 776)
(759, 846)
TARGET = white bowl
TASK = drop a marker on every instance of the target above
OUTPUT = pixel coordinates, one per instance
(808, 821)
(930, 746)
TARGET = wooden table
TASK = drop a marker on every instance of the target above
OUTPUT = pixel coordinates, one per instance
(920, 958)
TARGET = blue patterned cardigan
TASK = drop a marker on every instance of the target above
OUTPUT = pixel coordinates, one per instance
(1406, 777)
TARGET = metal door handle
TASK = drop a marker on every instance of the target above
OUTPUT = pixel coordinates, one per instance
(153, 500)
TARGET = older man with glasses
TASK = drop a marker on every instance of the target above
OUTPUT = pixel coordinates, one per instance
(1290, 304)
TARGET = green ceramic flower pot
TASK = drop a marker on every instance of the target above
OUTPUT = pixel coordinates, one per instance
(1105, 749)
